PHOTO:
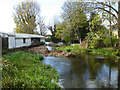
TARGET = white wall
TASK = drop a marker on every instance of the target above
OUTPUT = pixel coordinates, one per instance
(42, 40)
(19, 42)
(11, 42)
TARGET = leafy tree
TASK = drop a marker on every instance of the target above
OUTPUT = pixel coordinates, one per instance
(25, 17)
(53, 31)
(96, 31)
(59, 30)
(52, 27)
(114, 12)
(75, 18)
(95, 26)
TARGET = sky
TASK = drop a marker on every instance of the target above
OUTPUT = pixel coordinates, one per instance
(49, 9)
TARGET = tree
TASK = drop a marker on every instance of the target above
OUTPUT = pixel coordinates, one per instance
(53, 31)
(52, 28)
(74, 15)
(59, 30)
(42, 27)
(25, 17)
(113, 12)
(97, 31)
(95, 25)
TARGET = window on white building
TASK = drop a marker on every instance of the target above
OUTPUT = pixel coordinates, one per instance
(23, 40)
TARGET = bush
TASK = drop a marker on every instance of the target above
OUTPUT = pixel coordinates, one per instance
(68, 50)
(96, 43)
(48, 39)
(75, 49)
(24, 70)
(107, 42)
(104, 52)
(115, 42)
(37, 43)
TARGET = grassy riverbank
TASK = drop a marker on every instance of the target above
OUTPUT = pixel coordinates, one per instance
(25, 70)
(70, 48)
(113, 52)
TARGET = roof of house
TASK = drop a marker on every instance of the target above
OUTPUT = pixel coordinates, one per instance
(22, 35)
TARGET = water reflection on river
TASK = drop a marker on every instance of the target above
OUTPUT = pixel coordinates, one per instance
(85, 71)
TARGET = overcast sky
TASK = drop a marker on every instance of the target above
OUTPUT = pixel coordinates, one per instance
(49, 9)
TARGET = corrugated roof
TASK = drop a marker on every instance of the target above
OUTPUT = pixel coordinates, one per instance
(22, 35)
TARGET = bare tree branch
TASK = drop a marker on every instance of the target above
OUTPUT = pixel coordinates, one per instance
(108, 6)
(108, 12)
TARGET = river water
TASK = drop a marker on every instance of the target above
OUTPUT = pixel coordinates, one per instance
(86, 71)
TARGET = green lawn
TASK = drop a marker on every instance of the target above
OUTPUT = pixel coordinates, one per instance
(25, 70)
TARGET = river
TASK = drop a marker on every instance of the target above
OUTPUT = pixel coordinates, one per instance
(86, 71)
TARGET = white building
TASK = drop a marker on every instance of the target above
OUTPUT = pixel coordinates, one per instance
(16, 40)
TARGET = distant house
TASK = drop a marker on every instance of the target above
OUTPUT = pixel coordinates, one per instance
(16, 40)
(115, 33)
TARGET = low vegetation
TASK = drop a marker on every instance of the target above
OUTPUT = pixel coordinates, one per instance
(113, 52)
(104, 51)
(25, 70)
(72, 48)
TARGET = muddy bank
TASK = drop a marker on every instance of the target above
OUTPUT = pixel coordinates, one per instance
(41, 49)
(44, 50)
(61, 53)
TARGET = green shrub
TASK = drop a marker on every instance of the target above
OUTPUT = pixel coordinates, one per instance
(107, 42)
(25, 70)
(48, 39)
(104, 52)
(115, 42)
(75, 49)
(96, 43)
(68, 50)
(37, 43)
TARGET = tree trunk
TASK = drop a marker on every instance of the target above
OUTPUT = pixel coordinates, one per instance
(79, 38)
(110, 29)
(110, 74)
(119, 22)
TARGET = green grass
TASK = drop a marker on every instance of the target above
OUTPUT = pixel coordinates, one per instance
(75, 49)
(103, 51)
(25, 70)
(112, 52)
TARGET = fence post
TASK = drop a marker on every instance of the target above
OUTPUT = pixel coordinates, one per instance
(0, 62)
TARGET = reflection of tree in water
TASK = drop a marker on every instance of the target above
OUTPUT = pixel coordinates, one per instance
(78, 69)
(94, 66)
(85, 69)
(111, 64)
(119, 75)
